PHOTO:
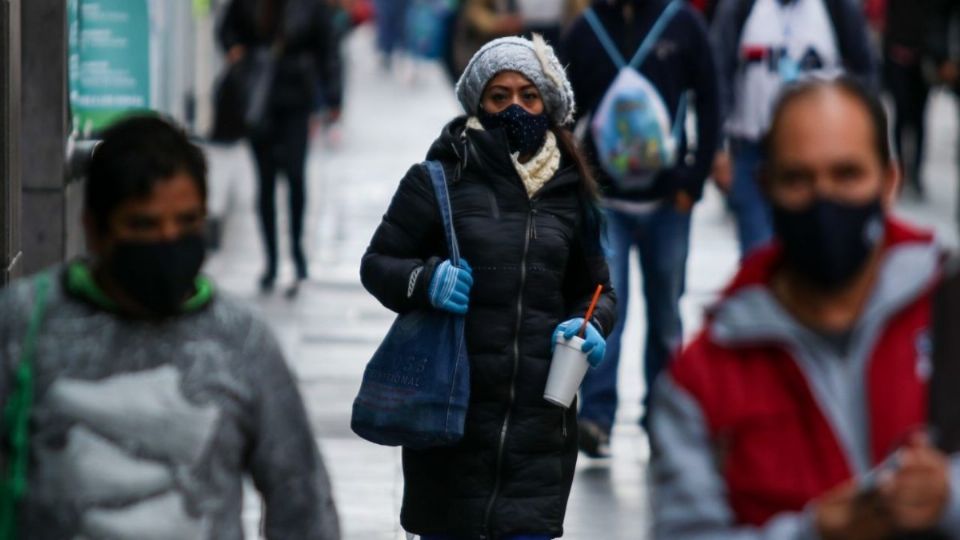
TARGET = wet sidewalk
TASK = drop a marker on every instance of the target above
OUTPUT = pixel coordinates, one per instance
(331, 329)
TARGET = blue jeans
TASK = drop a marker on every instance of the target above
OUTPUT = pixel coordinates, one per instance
(754, 223)
(391, 18)
(511, 537)
(662, 238)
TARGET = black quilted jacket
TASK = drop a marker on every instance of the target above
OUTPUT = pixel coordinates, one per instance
(533, 269)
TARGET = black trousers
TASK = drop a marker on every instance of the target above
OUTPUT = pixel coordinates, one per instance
(909, 89)
(282, 148)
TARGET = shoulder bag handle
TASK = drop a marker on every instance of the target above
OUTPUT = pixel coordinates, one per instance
(439, 179)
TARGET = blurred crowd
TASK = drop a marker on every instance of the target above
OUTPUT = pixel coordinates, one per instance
(817, 401)
(910, 41)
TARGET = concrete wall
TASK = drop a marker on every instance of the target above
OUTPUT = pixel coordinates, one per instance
(46, 232)
(10, 256)
(40, 197)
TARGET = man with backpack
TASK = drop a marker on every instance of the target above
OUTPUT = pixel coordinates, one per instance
(136, 397)
(762, 45)
(636, 67)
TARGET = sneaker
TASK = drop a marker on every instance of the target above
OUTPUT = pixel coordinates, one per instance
(593, 440)
(266, 282)
(293, 290)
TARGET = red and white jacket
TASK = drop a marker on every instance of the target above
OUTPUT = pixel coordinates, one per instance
(760, 415)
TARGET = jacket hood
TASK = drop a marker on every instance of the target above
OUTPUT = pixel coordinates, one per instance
(448, 148)
(471, 149)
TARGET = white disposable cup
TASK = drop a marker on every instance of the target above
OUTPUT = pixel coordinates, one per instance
(567, 369)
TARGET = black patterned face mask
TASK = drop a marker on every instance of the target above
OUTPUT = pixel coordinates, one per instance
(526, 132)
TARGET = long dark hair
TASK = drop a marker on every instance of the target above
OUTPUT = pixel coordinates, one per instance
(594, 225)
(568, 145)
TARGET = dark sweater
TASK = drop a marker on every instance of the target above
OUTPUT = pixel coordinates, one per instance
(681, 61)
(906, 24)
(942, 15)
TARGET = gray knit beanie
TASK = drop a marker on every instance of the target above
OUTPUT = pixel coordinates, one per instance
(534, 59)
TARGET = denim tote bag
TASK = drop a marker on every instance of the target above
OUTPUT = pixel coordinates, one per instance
(416, 388)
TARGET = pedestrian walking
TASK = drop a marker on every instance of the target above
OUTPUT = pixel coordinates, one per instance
(905, 78)
(524, 211)
(295, 43)
(390, 17)
(137, 396)
(762, 45)
(800, 410)
(483, 20)
(671, 49)
(942, 42)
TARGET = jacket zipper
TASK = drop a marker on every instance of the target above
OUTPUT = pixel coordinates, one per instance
(513, 377)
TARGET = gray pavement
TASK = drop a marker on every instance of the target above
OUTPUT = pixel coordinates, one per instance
(332, 328)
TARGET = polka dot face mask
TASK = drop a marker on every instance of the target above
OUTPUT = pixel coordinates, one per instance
(525, 131)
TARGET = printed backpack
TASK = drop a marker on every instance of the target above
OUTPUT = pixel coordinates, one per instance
(632, 129)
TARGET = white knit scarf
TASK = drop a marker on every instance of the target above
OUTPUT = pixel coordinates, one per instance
(540, 169)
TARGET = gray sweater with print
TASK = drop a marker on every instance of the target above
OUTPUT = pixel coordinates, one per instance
(145, 430)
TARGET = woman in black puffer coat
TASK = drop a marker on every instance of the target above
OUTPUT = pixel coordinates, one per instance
(524, 212)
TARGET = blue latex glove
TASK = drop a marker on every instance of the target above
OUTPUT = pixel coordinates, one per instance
(450, 287)
(594, 344)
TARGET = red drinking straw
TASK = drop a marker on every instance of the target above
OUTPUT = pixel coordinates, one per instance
(593, 305)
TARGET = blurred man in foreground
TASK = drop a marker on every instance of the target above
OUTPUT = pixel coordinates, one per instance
(135, 397)
(799, 411)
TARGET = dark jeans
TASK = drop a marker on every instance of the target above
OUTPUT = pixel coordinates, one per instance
(282, 148)
(662, 238)
(909, 89)
(752, 211)
(391, 19)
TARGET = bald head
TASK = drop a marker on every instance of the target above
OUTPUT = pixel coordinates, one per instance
(831, 93)
(828, 139)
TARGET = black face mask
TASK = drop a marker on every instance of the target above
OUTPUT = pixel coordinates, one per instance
(159, 276)
(525, 132)
(827, 242)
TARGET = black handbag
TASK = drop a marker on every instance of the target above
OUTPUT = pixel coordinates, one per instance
(242, 96)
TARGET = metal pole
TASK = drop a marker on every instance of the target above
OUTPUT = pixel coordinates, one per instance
(10, 85)
(47, 201)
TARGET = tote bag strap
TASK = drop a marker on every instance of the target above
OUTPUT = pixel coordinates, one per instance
(439, 179)
(17, 415)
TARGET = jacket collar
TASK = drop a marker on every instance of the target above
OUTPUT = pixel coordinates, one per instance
(749, 314)
(80, 283)
(487, 154)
